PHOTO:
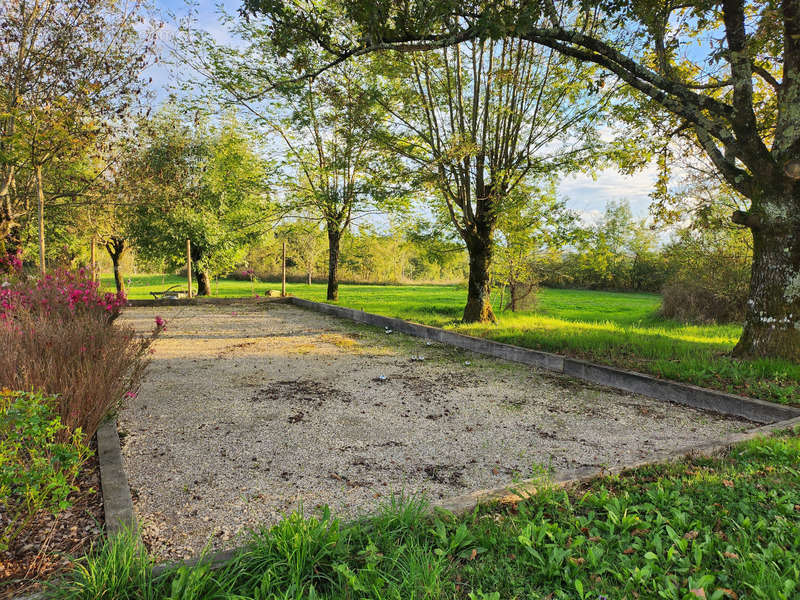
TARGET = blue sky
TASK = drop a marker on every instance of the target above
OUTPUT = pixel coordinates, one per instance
(587, 195)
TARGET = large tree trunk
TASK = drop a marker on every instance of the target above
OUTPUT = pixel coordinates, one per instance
(772, 321)
(203, 282)
(479, 307)
(334, 237)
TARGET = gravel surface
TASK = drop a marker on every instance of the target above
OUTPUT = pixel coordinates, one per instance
(248, 412)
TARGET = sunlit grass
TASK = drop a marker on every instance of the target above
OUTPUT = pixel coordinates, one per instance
(621, 329)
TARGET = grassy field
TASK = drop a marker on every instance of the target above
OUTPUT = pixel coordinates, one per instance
(621, 329)
(719, 529)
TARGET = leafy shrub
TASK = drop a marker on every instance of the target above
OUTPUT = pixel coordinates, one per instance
(59, 338)
(37, 467)
(710, 281)
(243, 275)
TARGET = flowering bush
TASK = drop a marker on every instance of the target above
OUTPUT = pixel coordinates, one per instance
(58, 337)
(37, 467)
(11, 263)
(62, 294)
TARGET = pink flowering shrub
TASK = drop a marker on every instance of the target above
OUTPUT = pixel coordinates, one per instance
(59, 338)
(11, 263)
(62, 294)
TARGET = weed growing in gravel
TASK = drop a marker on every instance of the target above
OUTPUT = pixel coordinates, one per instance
(719, 529)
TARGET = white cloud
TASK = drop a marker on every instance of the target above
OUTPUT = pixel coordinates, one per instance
(589, 196)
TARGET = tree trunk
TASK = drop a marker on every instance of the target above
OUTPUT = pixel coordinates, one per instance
(309, 277)
(118, 279)
(479, 307)
(772, 320)
(115, 246)
(334, 237)
(203, 283)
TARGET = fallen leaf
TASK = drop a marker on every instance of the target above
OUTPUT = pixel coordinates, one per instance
(577, 560)
(691, 535)
(729, 593)
(730, 555)
(727, 483)
(628, 551)
(594, 538)
(474, 554)
(698, 592)
(640, 531)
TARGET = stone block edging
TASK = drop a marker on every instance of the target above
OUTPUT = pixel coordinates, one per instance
(694, 396)
(117, 500)
(197, 301)
(464, 504)
(458, 505)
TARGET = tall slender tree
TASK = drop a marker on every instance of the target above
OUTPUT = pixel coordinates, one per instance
(483, 118)
(332, 164)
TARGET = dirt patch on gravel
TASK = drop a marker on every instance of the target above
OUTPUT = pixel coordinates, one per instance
(248, 412)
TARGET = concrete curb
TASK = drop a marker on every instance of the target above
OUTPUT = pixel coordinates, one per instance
(751, 409)
(117, 501)
(205, 300)
(458, 505)
(524, 489)
(461, 505)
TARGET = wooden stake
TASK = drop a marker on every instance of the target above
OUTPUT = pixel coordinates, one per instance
(189, 265)
(283, 271)
(94, 260)
(40, 194)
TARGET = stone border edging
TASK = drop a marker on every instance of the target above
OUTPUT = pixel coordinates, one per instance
(752, 409)
(122, 507)
(117, 500)
(461, 505)
(206, 300)
(517, 492)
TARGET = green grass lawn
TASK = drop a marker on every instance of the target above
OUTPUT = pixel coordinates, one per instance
(718, 529)
(621, 329)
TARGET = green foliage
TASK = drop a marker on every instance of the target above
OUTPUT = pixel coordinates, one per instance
(534, 220)
(39, 461)
(198, 182)
(408, 252)
(710, 275)
(722, 528)
(619, 252)
(117, 569)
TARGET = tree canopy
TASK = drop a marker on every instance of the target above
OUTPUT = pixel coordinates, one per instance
(199, 182)
(728, 72)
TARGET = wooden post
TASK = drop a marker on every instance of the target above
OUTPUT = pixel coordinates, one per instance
(94, 259)
(189, 265)
(40, 194)
(283, 271)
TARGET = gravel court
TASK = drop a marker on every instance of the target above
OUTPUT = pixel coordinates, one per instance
(248, 412)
